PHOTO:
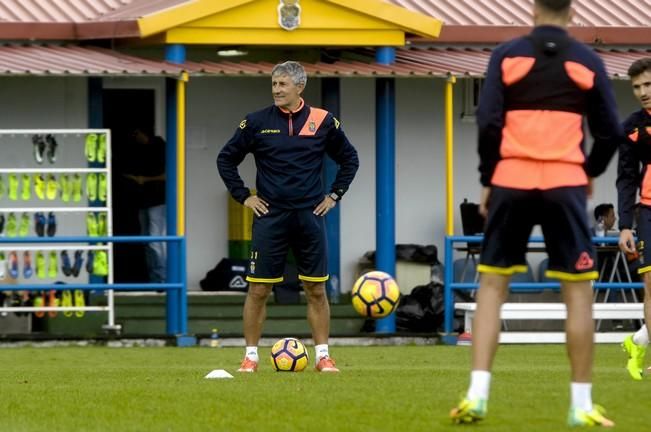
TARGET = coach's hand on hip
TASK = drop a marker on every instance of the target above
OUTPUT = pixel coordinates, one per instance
(258, 205)
(325, 206)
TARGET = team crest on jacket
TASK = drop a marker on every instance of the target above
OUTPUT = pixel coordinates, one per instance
(311, 126)
(289, 14)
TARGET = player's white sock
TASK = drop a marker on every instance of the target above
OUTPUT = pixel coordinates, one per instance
(641, 337)
(480, 383)
(320, 351)
(252, 353)
(582, 396)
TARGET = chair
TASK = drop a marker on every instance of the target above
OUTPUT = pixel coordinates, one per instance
(472, 223)
(465, 270)
(542, 269)
(524, 278)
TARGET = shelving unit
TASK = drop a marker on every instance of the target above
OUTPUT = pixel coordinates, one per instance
(17, 151)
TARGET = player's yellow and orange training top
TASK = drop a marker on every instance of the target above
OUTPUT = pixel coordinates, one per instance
(633, 171)
(537, 90)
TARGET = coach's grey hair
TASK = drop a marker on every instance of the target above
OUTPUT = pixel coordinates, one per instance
(292, 69)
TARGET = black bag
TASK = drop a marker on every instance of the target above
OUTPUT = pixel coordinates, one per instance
(427, 254)
(228, 275)
(423, 309)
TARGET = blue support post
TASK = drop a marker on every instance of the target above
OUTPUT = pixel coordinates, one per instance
(331, 101)
(173, 275)
(95, 103)
(448, 293)
(173, 54)
(385, 174)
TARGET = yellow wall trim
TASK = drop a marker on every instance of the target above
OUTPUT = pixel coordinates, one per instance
(410, 21)
(273, 37)
(160, 21)
(254, 21)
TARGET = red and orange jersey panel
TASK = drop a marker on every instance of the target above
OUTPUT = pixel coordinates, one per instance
(537, 92)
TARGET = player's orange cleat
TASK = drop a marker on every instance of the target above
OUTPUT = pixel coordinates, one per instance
(248, 365)
(326, 364)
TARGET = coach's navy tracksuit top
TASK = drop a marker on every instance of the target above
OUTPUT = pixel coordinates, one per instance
(530, 116)
(289, 150)
(634, 151)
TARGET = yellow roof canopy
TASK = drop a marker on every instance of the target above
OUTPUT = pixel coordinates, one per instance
(287, 23)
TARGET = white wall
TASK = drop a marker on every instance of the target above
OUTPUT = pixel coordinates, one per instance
(217, 105)
(43, 102)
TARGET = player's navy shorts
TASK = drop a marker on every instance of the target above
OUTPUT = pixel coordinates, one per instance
(278, 231)
(644, 239)
(561, 212)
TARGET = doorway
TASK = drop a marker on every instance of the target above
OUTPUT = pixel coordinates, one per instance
(124, 109)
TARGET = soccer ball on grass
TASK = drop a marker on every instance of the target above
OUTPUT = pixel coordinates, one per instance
(289, 355)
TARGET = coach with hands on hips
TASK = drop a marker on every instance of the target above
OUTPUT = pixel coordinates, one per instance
(289, 141)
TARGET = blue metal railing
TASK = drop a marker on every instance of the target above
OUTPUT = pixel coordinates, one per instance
(176, 288)
(450, 285)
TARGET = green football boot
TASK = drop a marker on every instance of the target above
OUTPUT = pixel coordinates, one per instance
(23, 228)
(101, 149)
(91, 186)
(41, 270)
(92, 228)
(66, 187)
(26, 193)
(12, 225)
(101, 187)
(51, 187)
(100, 263)
(581, 418)
(636, 353)
(13, 187)
(76, 187)
(52, 265)
(102, 225)
(90, 147)
(39, 186)
(469, 411)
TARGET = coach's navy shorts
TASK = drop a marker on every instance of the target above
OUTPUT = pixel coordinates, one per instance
(644, 239)
(562, 214)
(278, 231)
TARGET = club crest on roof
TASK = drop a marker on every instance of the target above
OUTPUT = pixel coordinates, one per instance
(289, 14)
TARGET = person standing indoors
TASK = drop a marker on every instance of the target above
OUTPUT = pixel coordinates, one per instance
(534, 170)
(289, 141)
(148, 174)
(633, 174)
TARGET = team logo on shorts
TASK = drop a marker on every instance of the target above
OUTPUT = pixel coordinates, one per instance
(289, 14)
(584, 262)
(252, 267)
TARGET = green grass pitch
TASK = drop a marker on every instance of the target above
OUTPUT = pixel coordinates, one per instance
(403, 388)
